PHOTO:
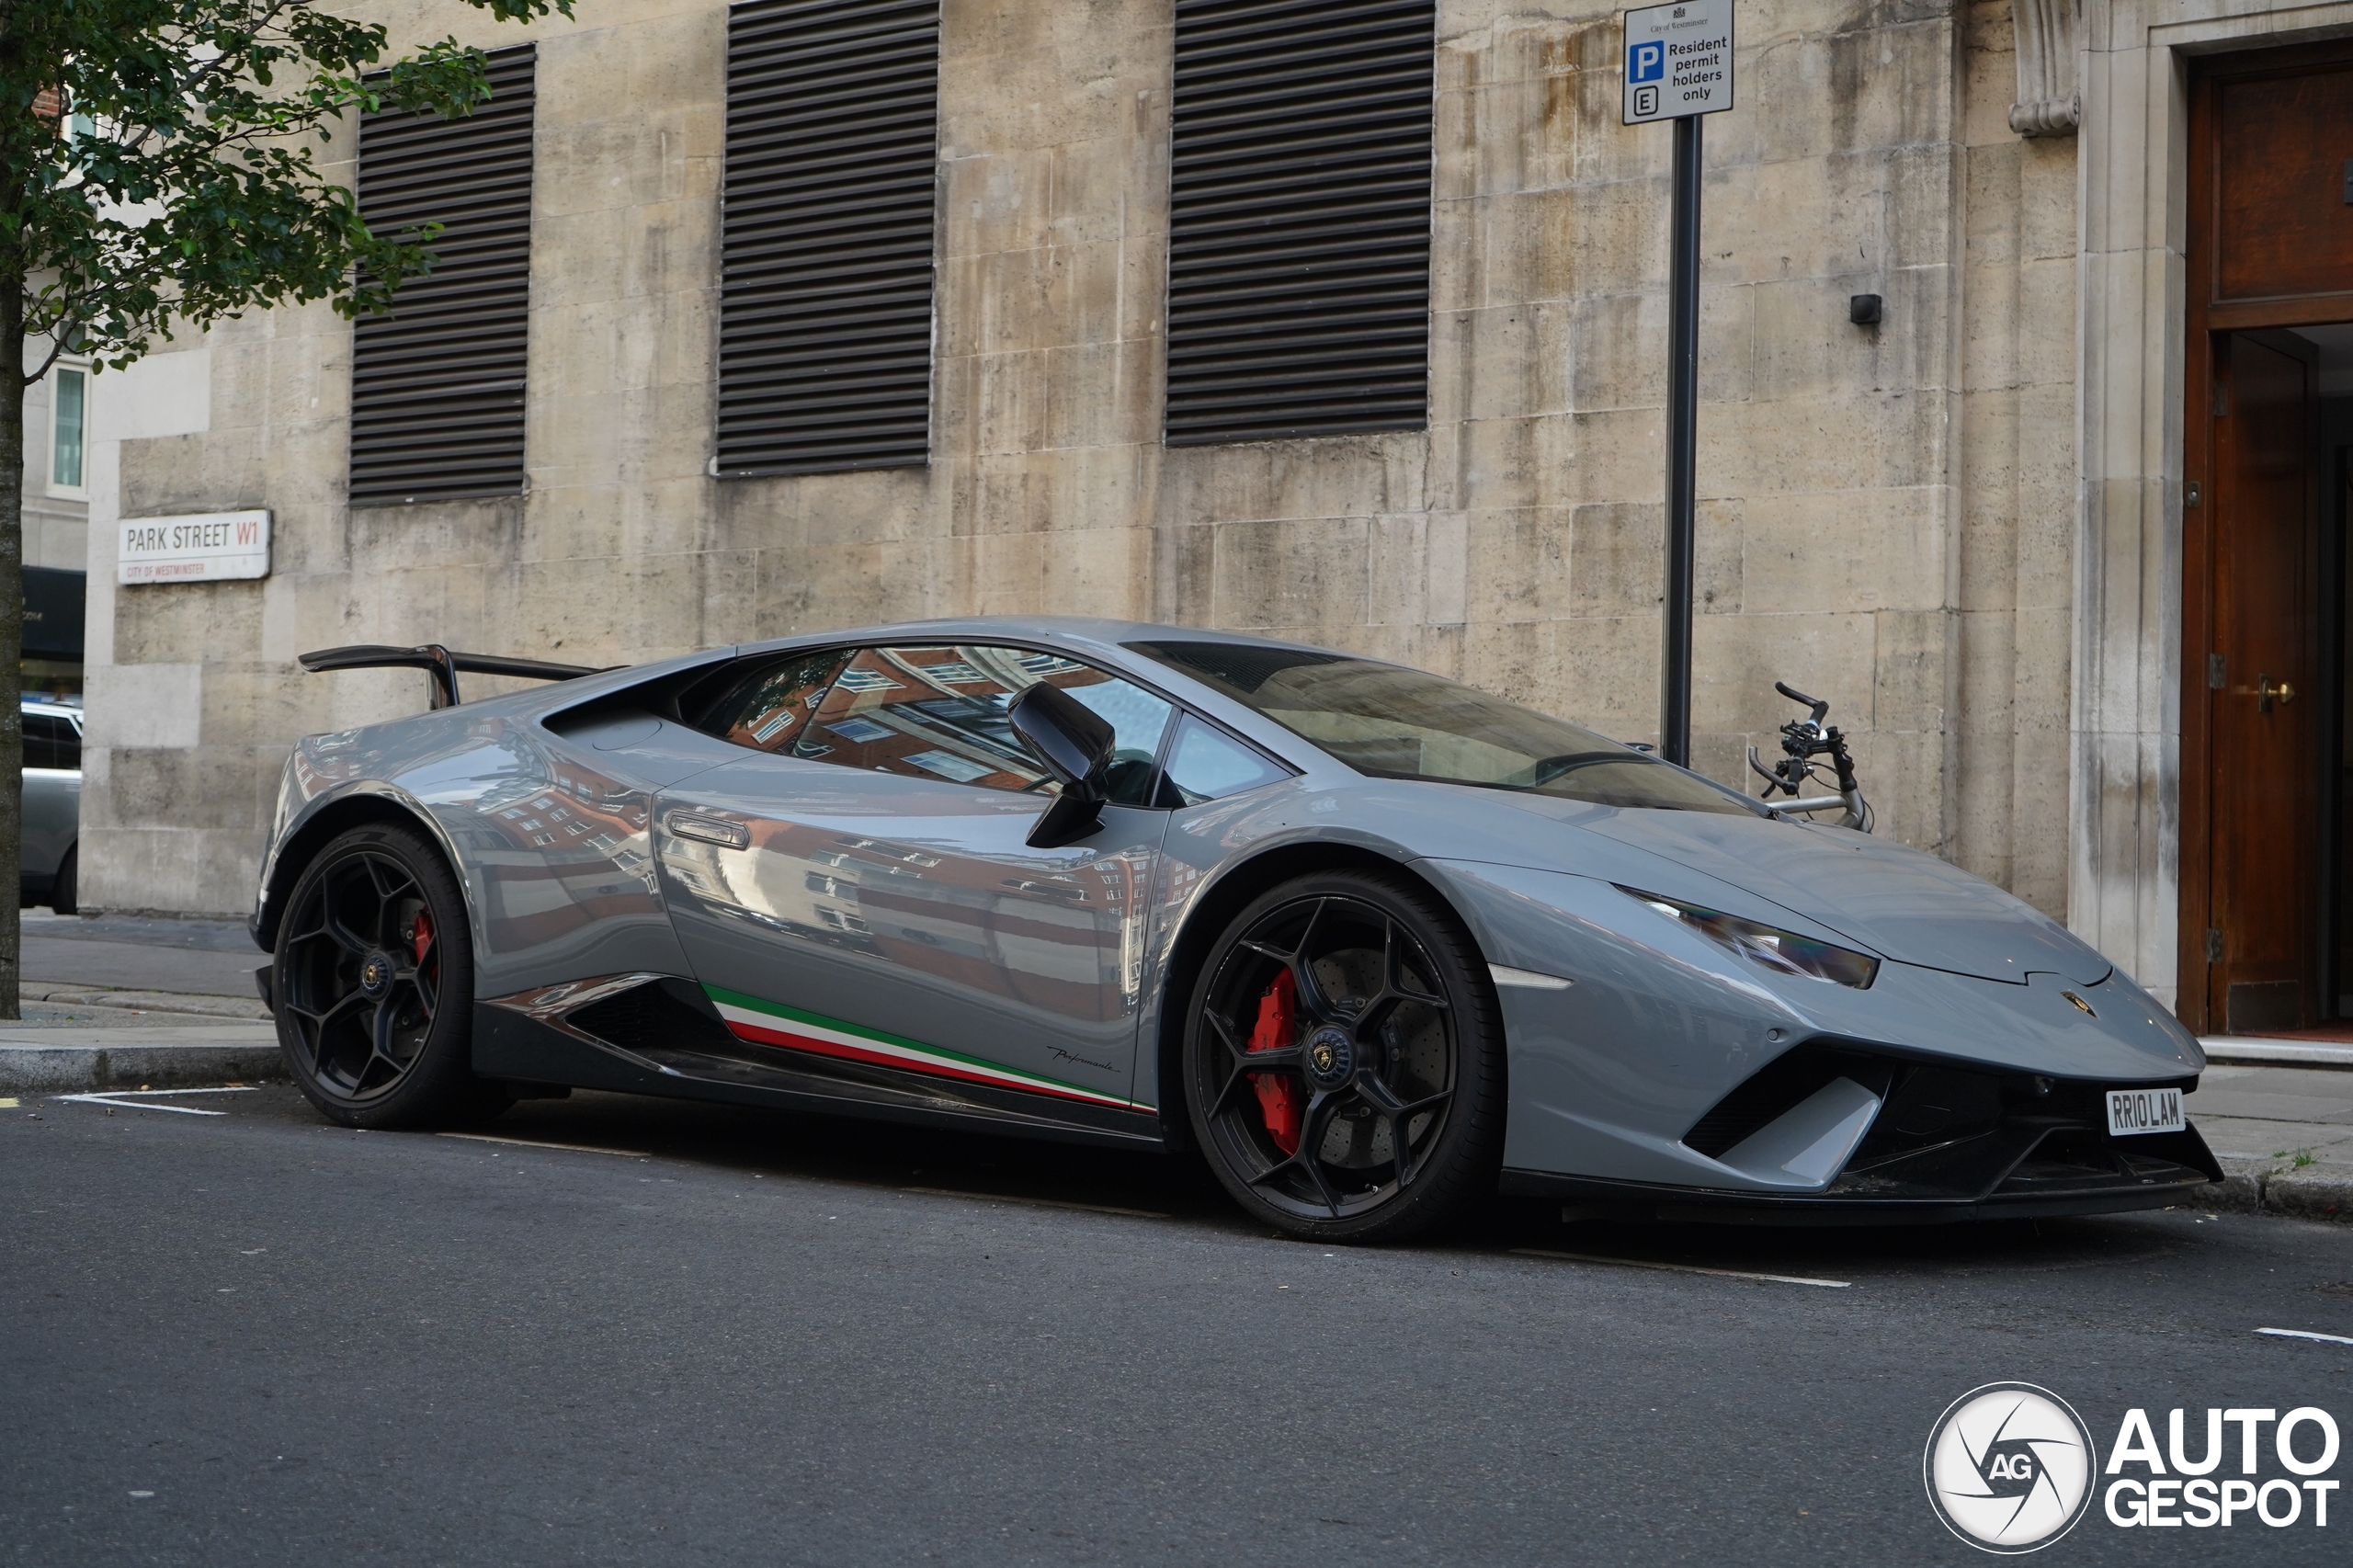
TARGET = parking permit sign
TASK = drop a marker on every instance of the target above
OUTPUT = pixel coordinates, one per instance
(1678, 61)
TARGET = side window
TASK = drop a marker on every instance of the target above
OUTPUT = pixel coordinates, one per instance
(42, 747)
(69, 745)
(938, 712)
(768, 706)
(1206, 764)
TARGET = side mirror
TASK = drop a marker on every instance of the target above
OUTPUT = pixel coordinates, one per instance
(1075, 743)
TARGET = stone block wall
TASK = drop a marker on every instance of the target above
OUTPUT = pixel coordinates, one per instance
(1885, 514)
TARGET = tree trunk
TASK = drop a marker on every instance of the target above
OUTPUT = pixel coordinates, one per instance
(12, 641)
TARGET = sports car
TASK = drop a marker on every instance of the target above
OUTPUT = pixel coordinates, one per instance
(1376, 944)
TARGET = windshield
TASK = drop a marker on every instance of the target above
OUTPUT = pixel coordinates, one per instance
(1394, 722)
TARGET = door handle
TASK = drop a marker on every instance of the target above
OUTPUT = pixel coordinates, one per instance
(2265, 692)
(709, 830)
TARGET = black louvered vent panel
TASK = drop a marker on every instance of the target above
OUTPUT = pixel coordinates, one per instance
(824, 335)
(436, 386)
(1300, 219)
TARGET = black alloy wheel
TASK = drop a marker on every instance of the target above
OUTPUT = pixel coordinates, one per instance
(374, 985)
(1344, 1063)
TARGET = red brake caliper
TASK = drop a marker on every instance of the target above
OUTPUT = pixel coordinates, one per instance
(1277, 1093)
(421, 936)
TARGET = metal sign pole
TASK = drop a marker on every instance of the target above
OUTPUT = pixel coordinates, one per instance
(1682, 448)
(1678, 65)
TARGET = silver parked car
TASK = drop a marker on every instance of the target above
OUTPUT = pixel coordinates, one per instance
(52, 802)
(1374, 942)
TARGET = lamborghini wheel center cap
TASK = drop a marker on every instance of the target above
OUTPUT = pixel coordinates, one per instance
(1331, 1057)
(375, 974)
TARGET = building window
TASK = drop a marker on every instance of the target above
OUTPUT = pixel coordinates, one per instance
(69, 410)
(824, 335)
(1300, 219)
(437, 385)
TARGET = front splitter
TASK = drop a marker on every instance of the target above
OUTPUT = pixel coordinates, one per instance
(1643, 1200)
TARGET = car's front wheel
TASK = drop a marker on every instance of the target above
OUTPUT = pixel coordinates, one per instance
(1343, 1062)
(373, 982)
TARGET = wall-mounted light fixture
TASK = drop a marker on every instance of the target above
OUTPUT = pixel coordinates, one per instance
(1863, 310)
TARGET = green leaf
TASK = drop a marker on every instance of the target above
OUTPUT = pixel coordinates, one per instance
(199, 194)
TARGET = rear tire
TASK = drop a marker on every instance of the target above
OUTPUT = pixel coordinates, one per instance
(62, 890)
(1343, 1061)
(373, 979)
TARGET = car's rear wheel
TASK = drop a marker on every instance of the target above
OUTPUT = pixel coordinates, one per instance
(64, 895)
(1343, 1062)
(374, 985)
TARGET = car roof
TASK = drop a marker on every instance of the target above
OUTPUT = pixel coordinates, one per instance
(1109, 636)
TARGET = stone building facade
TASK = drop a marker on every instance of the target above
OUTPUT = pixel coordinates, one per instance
(1962, 526)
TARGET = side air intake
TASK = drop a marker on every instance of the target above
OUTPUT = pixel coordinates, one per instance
(652, 1020)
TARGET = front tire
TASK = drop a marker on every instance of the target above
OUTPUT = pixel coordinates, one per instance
(1343, 1061)
(373, 979)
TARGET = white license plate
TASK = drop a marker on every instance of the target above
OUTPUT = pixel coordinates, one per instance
(2132, 1111)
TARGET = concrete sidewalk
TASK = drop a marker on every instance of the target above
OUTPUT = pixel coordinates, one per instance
(46, 1059)
(119, 1002)
(211, 957)
(74, 964)
(2284, 1134)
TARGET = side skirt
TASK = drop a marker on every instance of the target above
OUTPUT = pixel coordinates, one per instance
(676, 1046)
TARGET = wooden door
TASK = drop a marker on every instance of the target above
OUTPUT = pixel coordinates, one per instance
(2268, 247)
(2263, 681)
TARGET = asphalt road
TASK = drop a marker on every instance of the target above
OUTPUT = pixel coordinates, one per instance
(252, 1339)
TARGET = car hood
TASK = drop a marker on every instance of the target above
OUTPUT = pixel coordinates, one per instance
(1897, 901)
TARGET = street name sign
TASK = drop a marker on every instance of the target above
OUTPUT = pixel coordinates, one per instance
(199, 548)
(1678, 61)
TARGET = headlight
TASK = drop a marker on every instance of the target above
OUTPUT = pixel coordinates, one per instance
(1784, 951)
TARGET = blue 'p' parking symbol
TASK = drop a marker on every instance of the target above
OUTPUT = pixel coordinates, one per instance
(1647, 63)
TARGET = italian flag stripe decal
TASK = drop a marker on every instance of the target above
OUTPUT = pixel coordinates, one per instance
(773, 1023)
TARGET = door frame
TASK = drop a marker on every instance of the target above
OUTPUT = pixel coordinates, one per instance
(2131, 164)
(2208, 321)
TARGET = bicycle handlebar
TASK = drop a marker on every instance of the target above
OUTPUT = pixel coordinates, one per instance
(1821, 709)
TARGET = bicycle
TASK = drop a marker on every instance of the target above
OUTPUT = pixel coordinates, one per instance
(1802, 740)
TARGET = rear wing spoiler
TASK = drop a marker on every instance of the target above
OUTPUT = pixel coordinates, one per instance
(443, 664)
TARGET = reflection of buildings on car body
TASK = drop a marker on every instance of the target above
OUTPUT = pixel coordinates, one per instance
(568, 856)
(1000, 927)
(1047, 936)
(969, 354)
(930, 710)
(554, 856)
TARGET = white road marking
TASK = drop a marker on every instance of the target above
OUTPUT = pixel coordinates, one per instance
(2305, 1334)
(121, 1099)
(536, 1144)
(1036, 1202)
(1683, 1268)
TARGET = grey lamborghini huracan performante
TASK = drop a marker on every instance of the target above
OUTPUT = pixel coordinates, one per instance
(1375, 943)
